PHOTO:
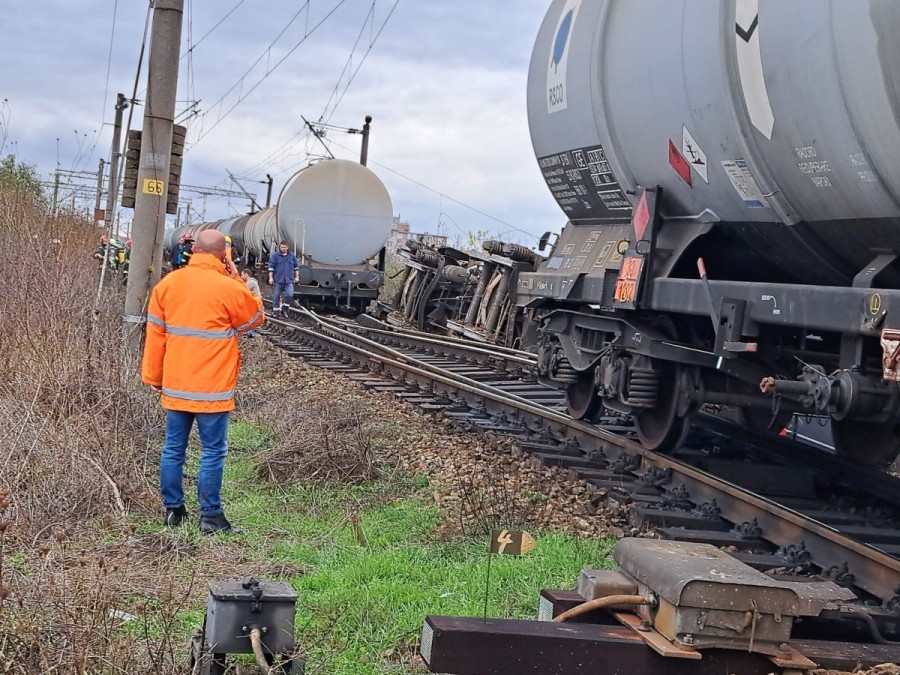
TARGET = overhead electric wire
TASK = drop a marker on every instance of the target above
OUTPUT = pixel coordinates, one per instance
(269, 70)
(99, 132)
(112, 36)
(209, 32)
(368, 50)
(284, 150)
(443, 195)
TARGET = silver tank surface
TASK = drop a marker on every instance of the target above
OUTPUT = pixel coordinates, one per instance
(335, 212)
(775, 120)
(260, 231)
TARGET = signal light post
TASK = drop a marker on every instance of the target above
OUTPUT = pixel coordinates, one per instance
(152, 183)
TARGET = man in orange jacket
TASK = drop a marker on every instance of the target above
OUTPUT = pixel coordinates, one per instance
(191, 357)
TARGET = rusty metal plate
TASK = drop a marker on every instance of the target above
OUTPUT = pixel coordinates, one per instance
(700, 575)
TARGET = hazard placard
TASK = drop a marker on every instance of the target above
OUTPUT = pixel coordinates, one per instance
(694, 154)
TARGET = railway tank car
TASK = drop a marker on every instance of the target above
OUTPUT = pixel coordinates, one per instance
(729, 175)
(336, 216)
(469, 294)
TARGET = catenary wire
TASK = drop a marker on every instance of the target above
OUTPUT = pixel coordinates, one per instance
(269, 70)
(285, 150)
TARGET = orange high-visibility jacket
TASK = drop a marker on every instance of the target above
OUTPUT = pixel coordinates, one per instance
(193, 320)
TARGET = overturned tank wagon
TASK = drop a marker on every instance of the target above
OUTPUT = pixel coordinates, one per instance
(733, 205)
(468, 294)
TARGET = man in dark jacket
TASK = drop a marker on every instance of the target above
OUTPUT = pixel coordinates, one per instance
(283, 274)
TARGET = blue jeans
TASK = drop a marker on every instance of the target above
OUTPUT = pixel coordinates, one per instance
(213, 428)
(283, 294)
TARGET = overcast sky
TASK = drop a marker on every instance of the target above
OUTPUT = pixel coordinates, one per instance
(444, 81)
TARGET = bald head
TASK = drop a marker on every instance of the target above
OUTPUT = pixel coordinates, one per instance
(210, 241)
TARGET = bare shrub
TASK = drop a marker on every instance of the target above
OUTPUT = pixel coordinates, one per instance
(494, 494)
(74, 459)
(318, 442)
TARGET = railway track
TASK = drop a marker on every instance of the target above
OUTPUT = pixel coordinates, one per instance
(778, 505)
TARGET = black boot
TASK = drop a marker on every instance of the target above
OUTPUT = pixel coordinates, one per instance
(216, 524)
(176, 516)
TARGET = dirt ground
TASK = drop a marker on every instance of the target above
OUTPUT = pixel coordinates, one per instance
(471, 475)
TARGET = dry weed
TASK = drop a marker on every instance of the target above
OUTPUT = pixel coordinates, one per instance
(73, 460)
(318, 442)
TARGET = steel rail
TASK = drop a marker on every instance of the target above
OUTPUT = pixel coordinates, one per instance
(451, 339)
(874, 571)
(509, 355)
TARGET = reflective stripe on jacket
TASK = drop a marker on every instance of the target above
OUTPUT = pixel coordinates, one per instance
(193, 319)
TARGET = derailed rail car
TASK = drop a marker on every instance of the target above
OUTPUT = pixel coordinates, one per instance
(470, 295)
(733, 198)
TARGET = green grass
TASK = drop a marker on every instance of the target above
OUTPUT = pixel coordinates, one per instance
(364, 591)
(364, 596)
(247, 436)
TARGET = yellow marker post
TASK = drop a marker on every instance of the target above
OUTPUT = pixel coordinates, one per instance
(505, 542)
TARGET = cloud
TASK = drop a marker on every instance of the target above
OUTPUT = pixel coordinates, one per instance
(445, 84)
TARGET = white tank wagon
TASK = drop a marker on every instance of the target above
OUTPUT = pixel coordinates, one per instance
(336, 216)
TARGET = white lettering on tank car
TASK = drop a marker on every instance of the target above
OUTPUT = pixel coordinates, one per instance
(815, 167)
(821, 181)
(767, 298)
(866, 176)
(806, 152)
(858, 159)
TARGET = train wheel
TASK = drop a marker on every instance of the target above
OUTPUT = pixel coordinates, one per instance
(582, 400)
(874, 445)
(663, 428)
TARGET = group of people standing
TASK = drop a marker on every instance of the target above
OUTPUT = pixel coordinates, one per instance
(191, 358)
(116, 254)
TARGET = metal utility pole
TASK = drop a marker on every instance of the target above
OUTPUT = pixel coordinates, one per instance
(153, 171)
(268, 180)
(252, 198)
(55, 192)
(98, 214)
(115, 159)
(364, 153)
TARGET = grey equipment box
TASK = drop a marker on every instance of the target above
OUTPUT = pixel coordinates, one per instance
(235, 607)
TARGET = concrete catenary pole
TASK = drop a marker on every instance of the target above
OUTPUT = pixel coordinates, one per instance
(153, 170)
(364, 153)
(96, 215)
(115, 159)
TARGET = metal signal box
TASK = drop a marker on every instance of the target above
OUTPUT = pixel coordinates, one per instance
(234, 608)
